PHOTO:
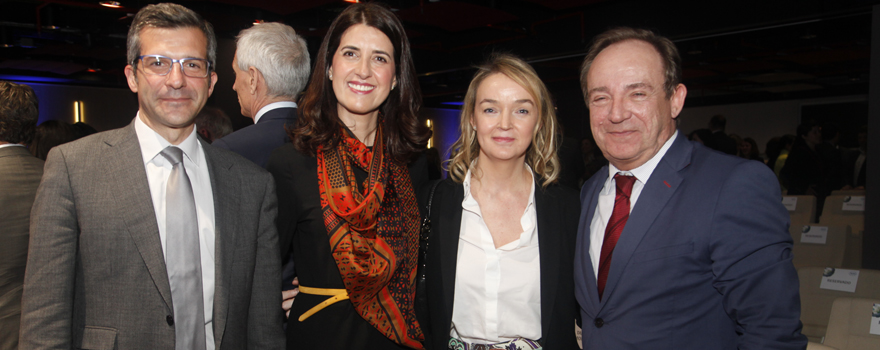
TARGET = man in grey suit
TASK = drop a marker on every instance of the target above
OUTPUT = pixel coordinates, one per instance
(145, 237)
(271, 66)
(20, 174)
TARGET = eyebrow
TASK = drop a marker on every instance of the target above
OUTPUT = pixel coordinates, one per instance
(358, 49)
(639, 85)
(488, 100)
(597, 89)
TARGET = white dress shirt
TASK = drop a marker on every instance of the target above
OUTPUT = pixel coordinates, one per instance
(271, 106)
(158, 170)
(497, 290)
(609, 191)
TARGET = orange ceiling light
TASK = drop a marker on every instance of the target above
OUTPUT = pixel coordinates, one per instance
(111, 4)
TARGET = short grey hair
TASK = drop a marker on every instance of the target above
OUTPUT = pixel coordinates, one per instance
(278, 53)
(168, 16)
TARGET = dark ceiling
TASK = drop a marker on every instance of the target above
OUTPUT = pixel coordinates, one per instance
(734, 51)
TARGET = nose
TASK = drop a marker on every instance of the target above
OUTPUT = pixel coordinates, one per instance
(618, 112)
(506, 120)
(363, 69)
(175, 78)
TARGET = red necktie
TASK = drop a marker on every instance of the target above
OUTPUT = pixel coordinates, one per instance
(615, 226)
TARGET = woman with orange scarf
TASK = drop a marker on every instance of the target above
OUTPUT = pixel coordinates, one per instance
(347, 206)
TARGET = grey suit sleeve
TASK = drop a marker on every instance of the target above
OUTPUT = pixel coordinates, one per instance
(266, 316)
(47, 301)
(751, 254)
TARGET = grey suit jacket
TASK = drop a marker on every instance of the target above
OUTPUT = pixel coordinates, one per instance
(20, 174)
(96, 276)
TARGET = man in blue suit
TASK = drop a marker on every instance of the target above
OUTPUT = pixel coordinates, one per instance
(679, 246)
(271, 67)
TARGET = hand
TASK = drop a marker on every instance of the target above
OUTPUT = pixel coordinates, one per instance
(288, 296)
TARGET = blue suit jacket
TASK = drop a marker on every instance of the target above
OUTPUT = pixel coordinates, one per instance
(256, 142)
(704, 261)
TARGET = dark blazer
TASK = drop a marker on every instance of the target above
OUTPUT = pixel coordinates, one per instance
(557, 210)
(20, 174)
(704, 261)
(96, 275)
(256, 142)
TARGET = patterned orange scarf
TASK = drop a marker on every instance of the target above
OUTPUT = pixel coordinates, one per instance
(373, 234)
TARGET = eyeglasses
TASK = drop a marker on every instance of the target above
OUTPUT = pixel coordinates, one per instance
(161, 65)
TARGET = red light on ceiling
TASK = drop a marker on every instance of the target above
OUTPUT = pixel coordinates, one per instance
(352, 1)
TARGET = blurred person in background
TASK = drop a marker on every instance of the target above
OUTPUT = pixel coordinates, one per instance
(212, 124)
(20, 174)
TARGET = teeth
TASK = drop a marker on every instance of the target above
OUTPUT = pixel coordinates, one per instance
(361, 87)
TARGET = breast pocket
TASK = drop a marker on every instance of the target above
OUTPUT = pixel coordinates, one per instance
(664, 252)
(97, 338)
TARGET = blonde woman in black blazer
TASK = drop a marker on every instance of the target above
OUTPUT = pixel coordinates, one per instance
(504, 167)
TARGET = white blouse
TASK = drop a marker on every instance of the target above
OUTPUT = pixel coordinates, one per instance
(497, 291)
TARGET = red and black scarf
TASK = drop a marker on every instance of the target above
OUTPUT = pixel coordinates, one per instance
(373, 234)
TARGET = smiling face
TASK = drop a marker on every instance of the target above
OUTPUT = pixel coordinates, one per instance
(630, 115)
(170, 101)
(362, 71)
(505, 117)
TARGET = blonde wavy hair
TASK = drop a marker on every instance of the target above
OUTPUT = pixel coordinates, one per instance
(541, 154)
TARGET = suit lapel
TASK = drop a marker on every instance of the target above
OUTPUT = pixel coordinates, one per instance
(582, 254)
(448, 234)
(135, 203)
(225, 189)
(548, 242)
(663, 183)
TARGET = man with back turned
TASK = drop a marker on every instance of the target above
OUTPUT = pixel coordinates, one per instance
(679, 246)
(271, 67)
(145, 237)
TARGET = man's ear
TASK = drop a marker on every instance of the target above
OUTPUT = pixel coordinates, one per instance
(213, 81)
(676, 102)
(255, 79)
(131, 77)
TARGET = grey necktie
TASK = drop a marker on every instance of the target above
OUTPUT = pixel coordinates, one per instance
(182, 257)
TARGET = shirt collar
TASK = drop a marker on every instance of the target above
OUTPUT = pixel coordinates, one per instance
(152, 143)
(271, 106)
(644, 171)
(12, 145)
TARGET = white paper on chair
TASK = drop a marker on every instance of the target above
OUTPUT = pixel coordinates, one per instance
(814, 234)
(790, 203)
(853, 203)
(840, 279)
(875, 319)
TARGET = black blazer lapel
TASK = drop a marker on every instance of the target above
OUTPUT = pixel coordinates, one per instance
(660, 188)
(448, 228)
(549, 246)
(125, 165)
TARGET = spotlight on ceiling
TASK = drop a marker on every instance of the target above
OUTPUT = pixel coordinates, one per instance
(111, 4)
(352, 1)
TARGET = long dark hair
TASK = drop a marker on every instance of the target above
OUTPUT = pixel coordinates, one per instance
(318, 124)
